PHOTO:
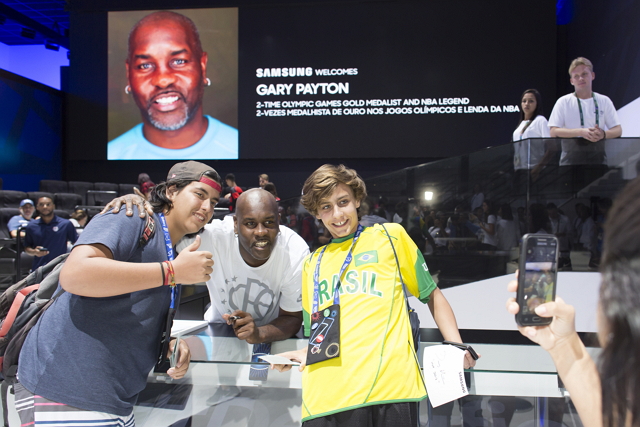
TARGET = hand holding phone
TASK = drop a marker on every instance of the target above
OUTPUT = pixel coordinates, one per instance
(43, 249)
(537, 280)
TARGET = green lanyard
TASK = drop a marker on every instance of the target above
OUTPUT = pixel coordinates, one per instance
(597, 110)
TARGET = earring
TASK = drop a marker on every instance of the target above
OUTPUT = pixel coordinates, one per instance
(127, 89)
(207, 81)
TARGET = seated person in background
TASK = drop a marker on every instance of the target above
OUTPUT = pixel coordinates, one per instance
(506, 229)
(538, 219)
(477, 198)
(562, 229)
(487, 224)
(26, 212)
(369, 218)
(233, 191)
(145, 184)
(309, 230)
(584, 114)
(257, 268)
(607, 393)
(271, 188)
(262, 180)
(47, 237)
(79, 219)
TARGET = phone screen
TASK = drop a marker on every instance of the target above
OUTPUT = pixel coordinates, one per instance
(538, 284)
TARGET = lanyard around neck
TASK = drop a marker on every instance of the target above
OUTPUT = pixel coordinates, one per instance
(595, 102)
(316, 274)
(169, 247)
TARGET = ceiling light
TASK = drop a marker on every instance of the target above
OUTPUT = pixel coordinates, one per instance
(428, 195)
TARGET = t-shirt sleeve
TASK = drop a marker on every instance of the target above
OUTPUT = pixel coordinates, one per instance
(611, 115)
(118, 232)
(291, 290)
(557, 114)
(541, 127)
(13, 223)
(186, 241)
(28, 238)
(72, 234)
(415, 272)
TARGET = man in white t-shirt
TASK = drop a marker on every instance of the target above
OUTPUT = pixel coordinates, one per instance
(256, 277)
(583, 114)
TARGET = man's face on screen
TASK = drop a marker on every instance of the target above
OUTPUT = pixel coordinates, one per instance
(166, 74)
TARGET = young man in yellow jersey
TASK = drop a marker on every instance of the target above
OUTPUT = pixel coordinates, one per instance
(375, 378)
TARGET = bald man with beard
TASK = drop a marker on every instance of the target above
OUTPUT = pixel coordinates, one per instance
(166, 73)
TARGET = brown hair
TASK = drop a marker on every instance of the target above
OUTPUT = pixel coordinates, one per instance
(619, 362)
(324, 181)
(580, 61)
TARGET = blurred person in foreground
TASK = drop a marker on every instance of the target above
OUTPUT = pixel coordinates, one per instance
(606, 393)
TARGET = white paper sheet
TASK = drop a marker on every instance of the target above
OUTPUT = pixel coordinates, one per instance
(443, 367)
(183, 327)
(277, 360)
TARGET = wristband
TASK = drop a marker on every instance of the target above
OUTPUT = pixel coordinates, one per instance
(163, 276)
(171, 277)
(604, 133)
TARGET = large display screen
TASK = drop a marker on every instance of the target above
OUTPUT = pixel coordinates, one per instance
(339, 80)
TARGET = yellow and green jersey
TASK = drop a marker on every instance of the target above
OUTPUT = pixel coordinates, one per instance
(376, 363)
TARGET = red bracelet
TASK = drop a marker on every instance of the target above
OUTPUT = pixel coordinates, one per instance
(170, 279)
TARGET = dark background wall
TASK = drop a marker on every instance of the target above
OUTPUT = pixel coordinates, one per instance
(607, 33)
(30, 132)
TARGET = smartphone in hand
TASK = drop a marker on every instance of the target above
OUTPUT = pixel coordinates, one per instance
(537, 279)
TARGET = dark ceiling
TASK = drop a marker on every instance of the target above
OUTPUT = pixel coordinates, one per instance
(48, 18)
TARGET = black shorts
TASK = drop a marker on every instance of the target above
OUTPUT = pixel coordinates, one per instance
(404, 414)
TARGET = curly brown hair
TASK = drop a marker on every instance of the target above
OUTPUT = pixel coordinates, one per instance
(321, 184)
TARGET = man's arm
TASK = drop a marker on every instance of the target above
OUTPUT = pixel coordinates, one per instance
(13, 226)
(590, 134)
(286, 325)
(72, 234)
(573, 363)
(614, 132)
(91, 271)
(31, 248)
(446, 321)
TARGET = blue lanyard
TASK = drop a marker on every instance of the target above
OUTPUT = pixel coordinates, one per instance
(169, 247)
(595, 101)
(316, 274)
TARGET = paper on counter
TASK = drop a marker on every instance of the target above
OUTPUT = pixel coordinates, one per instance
(443, 367)
(278, 360)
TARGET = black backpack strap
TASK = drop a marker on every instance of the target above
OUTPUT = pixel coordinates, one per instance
(148, 232)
